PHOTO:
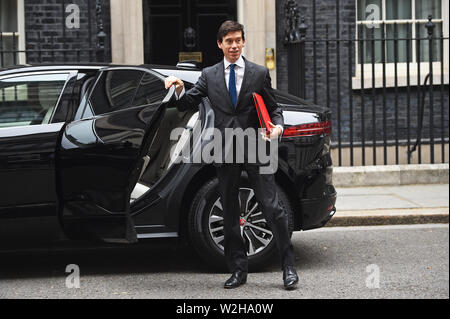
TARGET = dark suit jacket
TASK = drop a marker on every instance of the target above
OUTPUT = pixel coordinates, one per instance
(212, 84)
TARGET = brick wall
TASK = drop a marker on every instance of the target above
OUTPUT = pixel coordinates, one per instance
(46, 31)
(339, 80)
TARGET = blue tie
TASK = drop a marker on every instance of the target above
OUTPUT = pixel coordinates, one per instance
(232, 85)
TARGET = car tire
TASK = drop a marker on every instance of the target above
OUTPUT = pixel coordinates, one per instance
(203, 240)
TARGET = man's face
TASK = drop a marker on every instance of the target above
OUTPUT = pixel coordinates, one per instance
(232, 45)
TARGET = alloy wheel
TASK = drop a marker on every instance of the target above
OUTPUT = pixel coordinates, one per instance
(254, 227)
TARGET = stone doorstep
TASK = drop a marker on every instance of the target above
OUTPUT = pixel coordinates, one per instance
(390, 217)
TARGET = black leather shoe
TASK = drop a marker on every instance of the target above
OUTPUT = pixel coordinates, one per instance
(237, 279)
(290, 277)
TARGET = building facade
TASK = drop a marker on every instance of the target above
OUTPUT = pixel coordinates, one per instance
(53, 30)
(137, 31)
(356, 56)
(369, 61)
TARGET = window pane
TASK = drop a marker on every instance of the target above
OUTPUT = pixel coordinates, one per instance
(401, 36)
(424, 8)
(151, 90)
(8, 15)
(371, 47)
(398, 9)
(29, 100)
(422, 33)
(9, 58)
(369, 10)
(115, 90)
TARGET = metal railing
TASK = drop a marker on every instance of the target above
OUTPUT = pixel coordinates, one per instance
(386, 110)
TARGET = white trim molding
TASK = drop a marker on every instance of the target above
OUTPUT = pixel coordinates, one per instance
(21, 30)
(259, 20)
(127, 32)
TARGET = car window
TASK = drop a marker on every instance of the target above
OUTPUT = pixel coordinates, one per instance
(30, 99)
(114, 90)
(151, 90)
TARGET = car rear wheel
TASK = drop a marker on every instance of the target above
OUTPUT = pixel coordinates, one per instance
(206, 225)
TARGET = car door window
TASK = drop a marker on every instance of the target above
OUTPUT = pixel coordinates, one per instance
(114, 90)
(151, 90)
(29, 99)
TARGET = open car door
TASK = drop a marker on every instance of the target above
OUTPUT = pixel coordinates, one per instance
(103, 153)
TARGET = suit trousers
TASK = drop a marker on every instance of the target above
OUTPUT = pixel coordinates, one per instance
(265, 192)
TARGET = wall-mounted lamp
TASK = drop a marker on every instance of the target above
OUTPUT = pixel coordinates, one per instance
(270, 58)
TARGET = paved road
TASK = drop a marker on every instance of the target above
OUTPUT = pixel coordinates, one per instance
(354, 262)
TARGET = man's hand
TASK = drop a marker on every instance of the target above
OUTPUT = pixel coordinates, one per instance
(171, 80)
(275, 132)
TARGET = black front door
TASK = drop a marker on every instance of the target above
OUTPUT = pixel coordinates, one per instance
(188, 27)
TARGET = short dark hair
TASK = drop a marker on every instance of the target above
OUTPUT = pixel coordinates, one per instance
(227, 27)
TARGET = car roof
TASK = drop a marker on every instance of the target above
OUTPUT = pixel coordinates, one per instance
(88, 66)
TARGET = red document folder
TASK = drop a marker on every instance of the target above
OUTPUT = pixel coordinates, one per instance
(263, 115)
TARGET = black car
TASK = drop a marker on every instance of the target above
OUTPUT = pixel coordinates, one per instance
(86, 154)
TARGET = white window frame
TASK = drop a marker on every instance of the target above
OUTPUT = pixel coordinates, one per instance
(402, 80)
(21, 29)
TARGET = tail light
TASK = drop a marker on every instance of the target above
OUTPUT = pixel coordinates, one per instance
(309, 129)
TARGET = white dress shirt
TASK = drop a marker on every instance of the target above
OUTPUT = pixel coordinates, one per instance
(239, 70)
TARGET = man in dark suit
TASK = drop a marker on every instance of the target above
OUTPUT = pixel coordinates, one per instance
(229, 86)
